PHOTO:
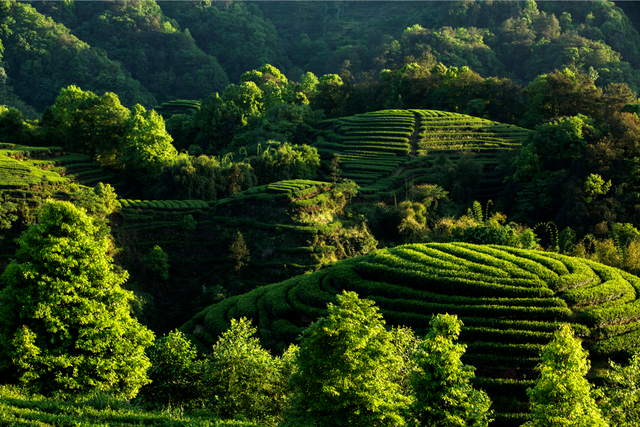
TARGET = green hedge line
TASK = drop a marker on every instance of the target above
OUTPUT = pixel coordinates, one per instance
(461, 285)
(617, 344)
(402, 306)
(607, 316)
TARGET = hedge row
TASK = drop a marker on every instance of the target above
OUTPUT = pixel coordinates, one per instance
(617, 344)
(390, 290)
(528, 325)
(618, 290)
(404, 306)
(467, 270)
(612, 315)
(454, 284)
(509, 336)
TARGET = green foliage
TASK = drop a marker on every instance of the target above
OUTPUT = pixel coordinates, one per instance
(242, 378)
(99, 203)
(281, 161)
(175, 372)
(345, 369)
(594, 186)
(7, 212)
(562, 394)
(239, 254)
(203, 178)
(18, 406)
(145, 145)
(83, 122)
(621, 394)
(157, 261)
(64, 319)
(48, 57)
(442, 383)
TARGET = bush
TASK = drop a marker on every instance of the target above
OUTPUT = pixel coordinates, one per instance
(175, 374)
(242, 378)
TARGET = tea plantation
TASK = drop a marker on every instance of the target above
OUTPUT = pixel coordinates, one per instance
(384, 150)
(21, 409)
(510, 302)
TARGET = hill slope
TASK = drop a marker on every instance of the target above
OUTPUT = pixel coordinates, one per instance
(385, 150)
(510, 301)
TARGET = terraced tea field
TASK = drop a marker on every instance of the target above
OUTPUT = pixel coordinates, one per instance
(383, 151)
(178, 106)
(290, 228)
(22, 167)
(510, 301)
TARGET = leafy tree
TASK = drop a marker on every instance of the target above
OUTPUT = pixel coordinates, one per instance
(145, 146)
(621, 394)
(13, 128)
(65, 322)
(239, 253)
(175, 372)
(282, 161)
(244, 100)
(329, 95)
(99, 202)
(562, 394)
(242, 378)
(442, 384)
(157, 261)
(83, 122)
(346, 370)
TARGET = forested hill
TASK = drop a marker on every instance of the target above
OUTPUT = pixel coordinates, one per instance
(149, 52)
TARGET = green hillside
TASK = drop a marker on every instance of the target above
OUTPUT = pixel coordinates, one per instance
(23, 166)
(384, 150)
(289, 228)
(510, 301)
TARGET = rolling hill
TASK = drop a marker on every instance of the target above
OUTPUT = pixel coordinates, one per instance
(384, 150)
(510, 301)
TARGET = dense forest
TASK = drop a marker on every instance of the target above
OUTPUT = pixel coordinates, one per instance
(320, 213)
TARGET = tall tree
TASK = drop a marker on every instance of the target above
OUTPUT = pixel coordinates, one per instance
(84, 122)
(65, 322)
(346, 369)
(145, 146)
(442, 383)
(562, 394)
(243, 378)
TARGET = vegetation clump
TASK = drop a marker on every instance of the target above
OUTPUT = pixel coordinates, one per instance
(65, 323)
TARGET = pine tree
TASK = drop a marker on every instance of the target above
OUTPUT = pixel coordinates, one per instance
(65, 322)
(562, 394)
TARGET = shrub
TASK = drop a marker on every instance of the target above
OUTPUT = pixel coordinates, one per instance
(175, 374)
(242, 378)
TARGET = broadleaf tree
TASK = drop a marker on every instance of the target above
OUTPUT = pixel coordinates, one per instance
(347, 369)
(621, 394)
(243, 378)
(442, 383)
(65, 323)
(562, 394)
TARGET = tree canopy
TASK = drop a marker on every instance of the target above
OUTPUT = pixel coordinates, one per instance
(65, 322)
